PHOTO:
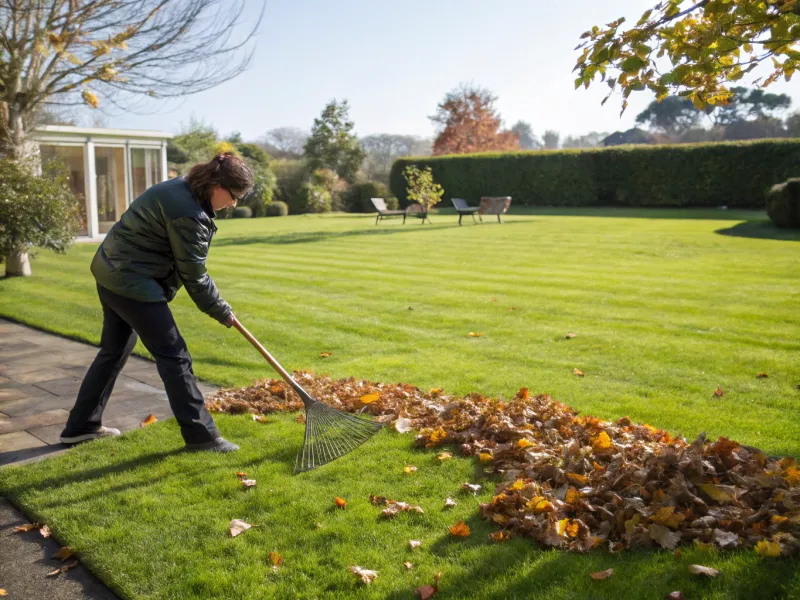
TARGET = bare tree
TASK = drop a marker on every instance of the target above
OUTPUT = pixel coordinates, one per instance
(112, 53)
(383, 148)
(286, 142)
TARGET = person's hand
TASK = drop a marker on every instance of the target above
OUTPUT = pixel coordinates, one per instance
(228, 322)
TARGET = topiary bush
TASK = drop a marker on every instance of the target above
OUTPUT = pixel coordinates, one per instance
(242, 212)
(357, 198)
(783, 204)
(276, 208)
(310, 198)
(735, 174)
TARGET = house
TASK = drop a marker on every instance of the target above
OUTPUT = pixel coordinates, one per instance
(108, 168)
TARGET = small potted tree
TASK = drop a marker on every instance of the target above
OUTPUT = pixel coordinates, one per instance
(35, 211)
(421, 190)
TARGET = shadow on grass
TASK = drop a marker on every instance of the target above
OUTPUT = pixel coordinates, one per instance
(621, 212)
(320, 236)
(761, 229)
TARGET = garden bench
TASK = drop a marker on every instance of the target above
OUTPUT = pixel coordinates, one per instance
(384, 212)
(494, 205)
(462, 208)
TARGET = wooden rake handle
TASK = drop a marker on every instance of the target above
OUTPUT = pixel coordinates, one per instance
(273, 363)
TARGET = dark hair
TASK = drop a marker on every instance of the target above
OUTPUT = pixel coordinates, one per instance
(224, 170)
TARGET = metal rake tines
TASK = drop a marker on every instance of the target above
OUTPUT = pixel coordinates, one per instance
(331, 433)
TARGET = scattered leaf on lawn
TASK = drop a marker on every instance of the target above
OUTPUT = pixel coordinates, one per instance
(397, 507)
(340, 502)
(241, 474)
(413, 544)
(260, 419)
(237, 526)
(570, 335)
(512, 308)
(424, 592)
(599, 575)
(408, 565)
(275, 558)
(435, 391)
(27, 527)
(403, 425)
(474, 334)
(369, 398)
(449, 503)
(3, 592)
(771, 549)
(472, 487)
(408, 469)
(701, 570)
(324, 354)
(718, 392)
(63, 554)
(63, 568)
(248, 483)
(762, 375)
(674, 596)
(317, 524)
(459, 529)
(498, 536)
(148, 421)
(365, 575)
(577, 372)
(443, 456)
(300, 418)
(45, 531)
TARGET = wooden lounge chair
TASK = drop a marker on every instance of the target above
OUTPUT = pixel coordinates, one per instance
(494, 205)
(462, 208)
(384, 212)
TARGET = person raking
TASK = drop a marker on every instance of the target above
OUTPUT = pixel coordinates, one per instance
(159, 244)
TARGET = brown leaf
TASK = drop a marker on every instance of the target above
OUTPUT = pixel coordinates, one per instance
(260, 419)
(663, 536)
(148, 421)
(63, 554)
(275, 558)
(300, 418)
(237, 526)
(674, 596)
(63, 568)
(570, 335)
(45, 531)
(365, 575)
(408, 565)
(718, 392)
(424, 592)
(340, 502)
(762, 376)
(414, 544)
(459, 529)
(241, 474)
(701, 570)
(27, 527)
(577, 372)
(599, 575)
(324, 354)
(498, 536)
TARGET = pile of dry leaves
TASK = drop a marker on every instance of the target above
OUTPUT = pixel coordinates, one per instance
(575, 482)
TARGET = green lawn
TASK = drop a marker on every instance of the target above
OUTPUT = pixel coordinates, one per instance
(665, 305)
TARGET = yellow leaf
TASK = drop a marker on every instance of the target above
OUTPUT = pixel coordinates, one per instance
(576, 478)
(768, 548)
(666, 516)
(497, 536)
(601, 442)
(717, 492)
(443, 456)
(149, 420)
(561, 526)
(370, 398)
(518, 484)
(435, 391)
(473, 334)
(459, 529)
(89, 98)
(499, 518)
(572, 495)
(324, 354)
(577, 372)
(437, 435)
(408, 565)
(275, 558)
(485, 457)
(408, 469)
(523, 443)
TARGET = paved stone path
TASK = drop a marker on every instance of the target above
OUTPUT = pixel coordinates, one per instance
(40, 374)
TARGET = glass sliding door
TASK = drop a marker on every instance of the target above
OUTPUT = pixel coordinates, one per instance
(145, 169)
(72, 158)
(110, 180)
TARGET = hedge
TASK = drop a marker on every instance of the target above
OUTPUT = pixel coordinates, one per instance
(734, 174)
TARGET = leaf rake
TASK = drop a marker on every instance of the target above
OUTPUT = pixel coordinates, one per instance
(330, 433)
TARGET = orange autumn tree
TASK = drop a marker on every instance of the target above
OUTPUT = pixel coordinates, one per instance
(468, 122)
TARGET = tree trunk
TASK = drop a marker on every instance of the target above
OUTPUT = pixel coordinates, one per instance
(18, 265)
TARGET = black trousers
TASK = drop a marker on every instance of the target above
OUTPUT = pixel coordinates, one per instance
(123, 319)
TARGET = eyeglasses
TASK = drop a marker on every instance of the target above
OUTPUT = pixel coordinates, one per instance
(236, 199)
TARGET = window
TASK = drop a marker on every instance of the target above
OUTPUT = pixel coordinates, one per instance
(72, 158)
(110, 179)
(145, 169)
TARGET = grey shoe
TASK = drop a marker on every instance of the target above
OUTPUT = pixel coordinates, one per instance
(102, 432)
(217, 445)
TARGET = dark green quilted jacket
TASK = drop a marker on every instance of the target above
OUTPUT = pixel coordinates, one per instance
(160, 243)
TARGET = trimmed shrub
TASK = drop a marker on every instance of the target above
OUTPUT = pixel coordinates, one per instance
(736, 174)
(242, 212)
(310, 198)
(357, 198)
(276, 208)
(783, 204)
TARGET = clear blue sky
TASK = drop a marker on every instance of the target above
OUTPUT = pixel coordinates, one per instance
(394, 61)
